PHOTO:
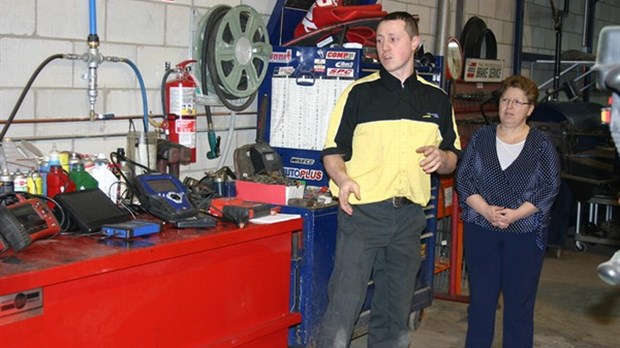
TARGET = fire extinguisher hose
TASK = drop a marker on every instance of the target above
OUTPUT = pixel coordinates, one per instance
(163, 90)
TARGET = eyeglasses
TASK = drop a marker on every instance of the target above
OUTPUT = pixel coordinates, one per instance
(516, 102)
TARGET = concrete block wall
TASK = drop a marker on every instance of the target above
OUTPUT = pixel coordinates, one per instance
(151, 32)
(538, 32)
(148, 33)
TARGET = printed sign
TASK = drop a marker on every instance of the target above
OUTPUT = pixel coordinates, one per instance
(483, 70)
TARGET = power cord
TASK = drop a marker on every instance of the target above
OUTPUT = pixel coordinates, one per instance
(131, 191)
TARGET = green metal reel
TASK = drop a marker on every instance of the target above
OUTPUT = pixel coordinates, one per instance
(240, 50)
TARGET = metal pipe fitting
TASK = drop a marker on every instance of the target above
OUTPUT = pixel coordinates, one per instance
(92, 58)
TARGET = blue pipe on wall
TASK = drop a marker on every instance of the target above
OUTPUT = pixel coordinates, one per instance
(93, 17)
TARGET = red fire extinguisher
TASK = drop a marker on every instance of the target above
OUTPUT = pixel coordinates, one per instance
(181, 108)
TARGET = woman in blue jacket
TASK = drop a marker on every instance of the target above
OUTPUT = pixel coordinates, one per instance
(507, 182)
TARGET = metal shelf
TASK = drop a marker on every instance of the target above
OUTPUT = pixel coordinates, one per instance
(573, 68)
(594, 219)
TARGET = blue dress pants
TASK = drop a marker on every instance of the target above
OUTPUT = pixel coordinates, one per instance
(381, 240)
(507, 263)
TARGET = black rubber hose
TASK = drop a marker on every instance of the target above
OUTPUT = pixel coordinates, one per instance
(203, 67)
(20, 100)
(206, 56)
(208, 53)
(164, 112)
(215, 19)
(209, 26)
(227, 68)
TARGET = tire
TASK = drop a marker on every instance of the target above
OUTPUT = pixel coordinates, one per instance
(469, 37)
(486, 45)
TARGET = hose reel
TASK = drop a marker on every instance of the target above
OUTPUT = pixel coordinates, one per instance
(232, 49)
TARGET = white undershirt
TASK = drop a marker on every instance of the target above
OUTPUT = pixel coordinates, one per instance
(507, 153)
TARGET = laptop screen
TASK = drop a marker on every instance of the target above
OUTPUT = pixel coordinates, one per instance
(89, 209)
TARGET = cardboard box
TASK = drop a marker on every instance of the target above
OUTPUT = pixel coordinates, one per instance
(266, 193)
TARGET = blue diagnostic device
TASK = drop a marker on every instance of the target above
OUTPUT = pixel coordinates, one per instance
(131, 229)
(164, 196)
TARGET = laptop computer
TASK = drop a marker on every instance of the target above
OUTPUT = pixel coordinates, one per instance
(88, 210)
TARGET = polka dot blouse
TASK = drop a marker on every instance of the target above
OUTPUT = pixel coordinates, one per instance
(533, 177)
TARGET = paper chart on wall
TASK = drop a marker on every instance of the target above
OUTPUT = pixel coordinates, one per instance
(300, 114)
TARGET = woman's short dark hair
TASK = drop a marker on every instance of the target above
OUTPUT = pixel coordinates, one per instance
(523, 83)
(411, 25)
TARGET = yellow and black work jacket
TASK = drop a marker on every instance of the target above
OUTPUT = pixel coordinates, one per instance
(378, 123)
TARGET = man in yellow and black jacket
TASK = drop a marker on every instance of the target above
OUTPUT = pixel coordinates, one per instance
(388, 132)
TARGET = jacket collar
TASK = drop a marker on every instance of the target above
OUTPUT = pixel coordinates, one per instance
(393, 83)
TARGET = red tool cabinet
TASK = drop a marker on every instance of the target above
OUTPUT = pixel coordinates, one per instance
(221, 287)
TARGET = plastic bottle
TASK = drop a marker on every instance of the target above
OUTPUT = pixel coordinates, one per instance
(74, 160)
(104, 176)
(44, 168)
(20, 182)
(63, 157)
(34, 182)
(6, 181)
(57, 179)
(220, 186)
(83, 180)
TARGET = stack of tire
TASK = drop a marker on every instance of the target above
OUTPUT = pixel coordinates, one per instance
(477, 40)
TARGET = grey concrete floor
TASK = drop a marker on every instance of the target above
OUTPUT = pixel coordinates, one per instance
(574, 308)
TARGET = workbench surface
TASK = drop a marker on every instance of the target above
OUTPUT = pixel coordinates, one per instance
(221, 286)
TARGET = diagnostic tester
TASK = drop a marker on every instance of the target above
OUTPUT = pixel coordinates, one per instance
(131, 229)
(25, 221)
(164, 196)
